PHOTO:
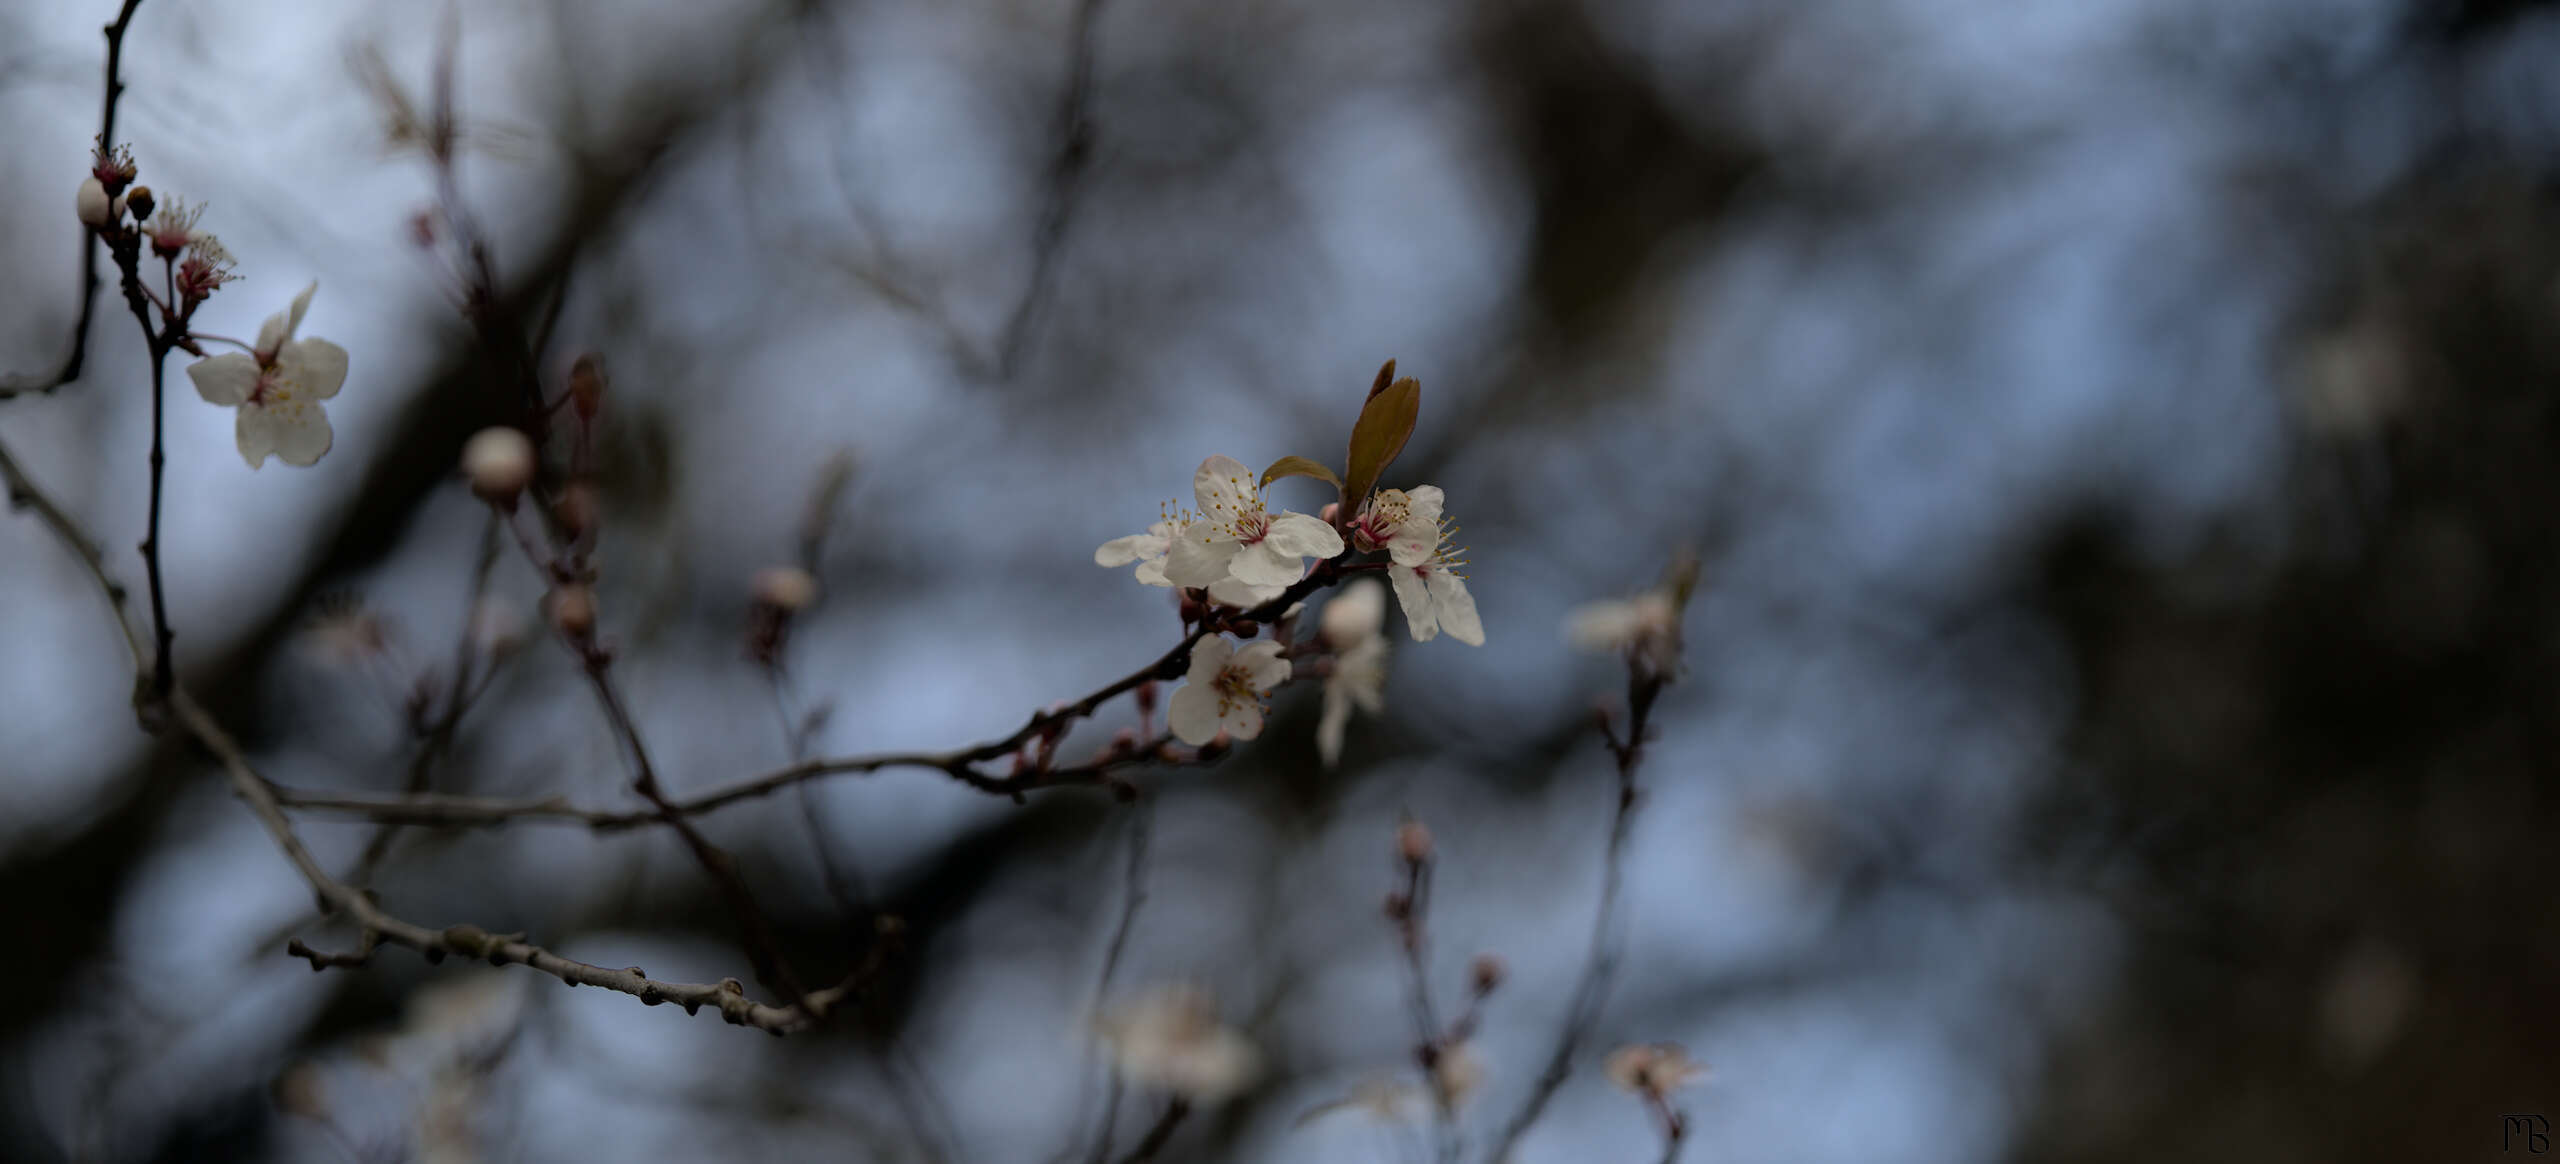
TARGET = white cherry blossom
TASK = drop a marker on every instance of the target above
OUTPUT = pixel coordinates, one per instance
(278, 388)
(1236, 537)
(1171, 1039)
(1406, 525)
(1146, 549)
(1225, 690)
(1646, 628)
(1653, 1070)
(1351, 623)
(1427, 583)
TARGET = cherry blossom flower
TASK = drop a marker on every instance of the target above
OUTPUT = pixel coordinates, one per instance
(1236, 537)
(1386, 1100)
(278, 388)
(1414, 530)
(1645, 627)
(1456, 1075)
(1171, 1039)
(1146, 549)
(1653, 1070)
(205, 269)
(1434, 595)
(1225, 690)
(173, 228)
(1351, 623)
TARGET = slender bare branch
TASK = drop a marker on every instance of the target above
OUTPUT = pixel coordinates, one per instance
(1600, 966)
(72, 361)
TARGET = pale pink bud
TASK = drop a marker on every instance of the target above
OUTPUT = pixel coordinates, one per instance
(1413, 841)
(94, 204)
(499, 462)
(573, 610)
(789, 589)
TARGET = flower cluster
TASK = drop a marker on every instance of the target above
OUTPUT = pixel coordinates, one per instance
(1235, 554)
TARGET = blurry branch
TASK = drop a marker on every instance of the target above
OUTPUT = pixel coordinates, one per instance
(1074, 130)
(377, 927)
(23, 494)
(459, 694)
(961, 765)
(1133, 897)
(69, 369)
(88, 866)
(1652, 657)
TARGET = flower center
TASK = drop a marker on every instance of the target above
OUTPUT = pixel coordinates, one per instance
(1386, 511)
(1234, 686)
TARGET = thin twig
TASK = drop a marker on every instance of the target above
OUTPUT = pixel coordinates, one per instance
(23, 493)
(375, 927)
(1133, 897)
(69, 369)
(961, 764)
(458, 698)
(1066, 185)
(1599, 969)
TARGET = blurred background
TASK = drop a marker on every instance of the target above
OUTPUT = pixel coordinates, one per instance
(2119, 717)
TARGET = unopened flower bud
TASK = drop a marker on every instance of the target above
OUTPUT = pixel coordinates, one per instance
(499, 462)
(573, 610)
(1485, 973)
(577, 510)
(586, 386)
(94, 203)
(789, 589)
(139, 201)
(1413, 841)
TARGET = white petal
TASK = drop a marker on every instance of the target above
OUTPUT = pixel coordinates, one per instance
(1235, 593)
(1122, 551)
(1263, 666)
(1426, 502)
(316, 366)
(1199, 557)
(301, 303)
(1262, 564)
(1243, 720)
(273, 333)
(1151, 572)
(1601, 626)
(226, 379)
(296, 431)
(1414, 541)
(1329, 728)
(1416, 601)
(1208, 657)
(1193, 713)
(1355, 615)
(1223, 487)
(1297, 533)
(1456, 608)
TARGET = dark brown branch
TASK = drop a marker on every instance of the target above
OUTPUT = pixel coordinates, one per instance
(69, 369)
